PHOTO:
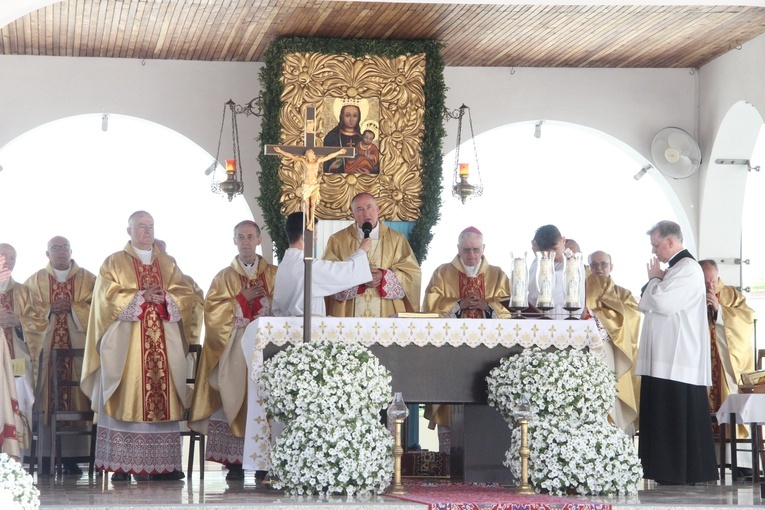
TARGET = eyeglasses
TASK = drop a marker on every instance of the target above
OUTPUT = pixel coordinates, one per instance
(59, 247)
(602, 265)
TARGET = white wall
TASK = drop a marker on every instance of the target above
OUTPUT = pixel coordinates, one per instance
(630, 105)
(185, 96)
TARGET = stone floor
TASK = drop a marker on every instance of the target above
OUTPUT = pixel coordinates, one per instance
(214, 492)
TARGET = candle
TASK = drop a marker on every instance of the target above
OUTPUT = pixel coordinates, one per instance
(546, 273)
(231, 166)
(573, 279)
(519, 282)
(464, 169)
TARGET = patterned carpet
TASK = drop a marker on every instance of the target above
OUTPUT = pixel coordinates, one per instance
(465, 496)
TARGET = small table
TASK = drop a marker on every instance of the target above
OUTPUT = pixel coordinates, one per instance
(744, 408)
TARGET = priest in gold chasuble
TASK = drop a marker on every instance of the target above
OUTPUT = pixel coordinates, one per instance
(22, 325)
(65, 291)
(135, 358)
(468, 287)
(238, 295)
(731, 330)
(396, 275)
(12, 427)
(618, 318)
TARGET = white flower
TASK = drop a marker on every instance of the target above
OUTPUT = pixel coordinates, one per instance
(329, 395)
(17, 490)
(572, 445)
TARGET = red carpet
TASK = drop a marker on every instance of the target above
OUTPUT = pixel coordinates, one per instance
(465, 496)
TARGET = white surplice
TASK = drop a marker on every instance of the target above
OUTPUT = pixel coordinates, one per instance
(327, 279)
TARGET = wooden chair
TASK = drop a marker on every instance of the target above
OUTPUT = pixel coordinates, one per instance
(60, 415)
(194, 437)
(37, 426)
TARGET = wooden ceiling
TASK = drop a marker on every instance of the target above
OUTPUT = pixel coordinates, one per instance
(473, 35)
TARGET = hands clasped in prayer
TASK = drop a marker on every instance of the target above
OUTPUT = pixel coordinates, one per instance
(154, 294)
(654, 269)
(473, 301)
(60, 306)
(8, 319)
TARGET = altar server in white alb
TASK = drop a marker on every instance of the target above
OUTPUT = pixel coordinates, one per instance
(676, 445)
(327, 277)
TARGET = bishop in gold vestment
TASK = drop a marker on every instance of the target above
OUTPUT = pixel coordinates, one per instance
(396, 275)
(65, 291)
(468, 279)
(238, 295)
(135, 358)
(616, 312)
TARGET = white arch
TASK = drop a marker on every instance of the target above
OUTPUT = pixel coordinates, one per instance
(722, 189)
(70, 178)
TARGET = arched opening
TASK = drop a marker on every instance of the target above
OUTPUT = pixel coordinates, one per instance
(574, 177)
(71, 177)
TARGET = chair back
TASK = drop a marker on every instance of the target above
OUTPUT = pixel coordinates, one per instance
(70, 383)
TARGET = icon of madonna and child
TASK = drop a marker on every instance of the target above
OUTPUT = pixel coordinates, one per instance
(357, 122)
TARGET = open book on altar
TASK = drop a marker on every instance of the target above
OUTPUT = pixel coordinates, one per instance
(415, 315)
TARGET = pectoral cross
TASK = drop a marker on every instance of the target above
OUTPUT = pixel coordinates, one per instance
(309, 143)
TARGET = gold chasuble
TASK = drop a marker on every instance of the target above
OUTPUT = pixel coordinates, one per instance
(223, 365)
(140, 351)
(13, 431)
(617, 312)
(65, 331)
(25, 342)
(391, 252)
(731, 346)
(449, 284)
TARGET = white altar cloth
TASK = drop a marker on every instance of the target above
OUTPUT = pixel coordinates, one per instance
(748, 407)
(559, 334)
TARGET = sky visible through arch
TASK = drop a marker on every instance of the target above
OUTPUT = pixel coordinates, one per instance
(70, 178)
(570, 177)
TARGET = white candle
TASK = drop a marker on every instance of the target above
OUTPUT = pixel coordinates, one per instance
(546, 273)
(572, 281)
(519, 282)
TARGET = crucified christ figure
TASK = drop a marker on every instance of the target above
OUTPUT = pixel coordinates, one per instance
(309, 169)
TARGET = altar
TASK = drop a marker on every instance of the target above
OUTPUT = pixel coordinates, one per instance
(430, 360)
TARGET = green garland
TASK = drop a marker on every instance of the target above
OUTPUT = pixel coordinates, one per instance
(432, 157)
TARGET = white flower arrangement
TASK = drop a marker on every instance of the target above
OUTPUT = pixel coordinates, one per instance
(329, 395)
(573, 447)
(17, 489)
(553, 381)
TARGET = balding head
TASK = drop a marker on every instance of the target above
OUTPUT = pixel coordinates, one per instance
(141, 230)
(59, 253)
(9, 252)
(600, 263)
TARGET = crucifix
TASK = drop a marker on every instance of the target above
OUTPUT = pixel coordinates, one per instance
(309, 160)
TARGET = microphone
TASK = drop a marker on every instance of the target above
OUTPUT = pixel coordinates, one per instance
(367, 229)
